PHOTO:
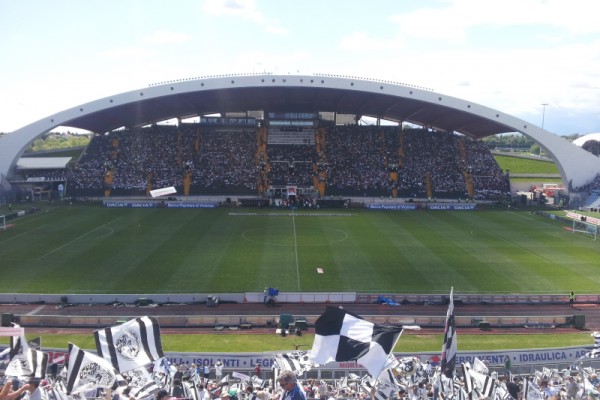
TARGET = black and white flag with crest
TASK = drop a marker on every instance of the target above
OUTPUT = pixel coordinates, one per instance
(87, 371)
(130, 345)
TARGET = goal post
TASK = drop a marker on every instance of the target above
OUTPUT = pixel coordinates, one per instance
(586, 228)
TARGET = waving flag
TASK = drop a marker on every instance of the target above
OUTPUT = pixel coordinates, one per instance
(531, 391)
(449, 347)
(485, 384)
(18, 365)
(298, 361)
(374, 390)
(87, 370)
(141, 383)
(595, 352)
(343, 336)
(28, 364)
(130, 345)
(25, 362)
(18, 345)
(38, 362)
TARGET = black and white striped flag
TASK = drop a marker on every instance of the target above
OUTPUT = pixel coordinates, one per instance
(446, 386)
(595, 352)
(38, 362)
(449, 348)
(141, 383)
(25, 362)
(87, 370)
(189, 390)
(486, 384)
(58, 391)
(130, 345)
(372, 391)
(466, 367)
(296, 361)
(27, 365)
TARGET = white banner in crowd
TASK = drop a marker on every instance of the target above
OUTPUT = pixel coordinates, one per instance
(11, 331)
(241, 376)
(163, 191)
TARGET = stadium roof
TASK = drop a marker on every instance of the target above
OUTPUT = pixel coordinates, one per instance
(291, 93)
(590, 136)
(43, 162)
(299, 93)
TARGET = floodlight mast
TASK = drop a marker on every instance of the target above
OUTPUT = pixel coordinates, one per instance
(543, 113)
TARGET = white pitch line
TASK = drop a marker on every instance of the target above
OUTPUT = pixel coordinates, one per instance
(296, 251)
(77, 238)
(35, 310)
(23, 233)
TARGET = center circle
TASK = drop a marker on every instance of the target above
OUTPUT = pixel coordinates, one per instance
(284, 236)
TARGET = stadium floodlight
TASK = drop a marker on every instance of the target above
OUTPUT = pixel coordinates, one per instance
(587, 228)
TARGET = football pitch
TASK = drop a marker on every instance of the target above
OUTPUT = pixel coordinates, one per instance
(91, 249)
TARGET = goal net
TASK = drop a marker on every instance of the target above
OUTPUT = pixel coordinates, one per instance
(586, 228)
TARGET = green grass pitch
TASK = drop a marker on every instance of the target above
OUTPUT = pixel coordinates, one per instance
(91, 249)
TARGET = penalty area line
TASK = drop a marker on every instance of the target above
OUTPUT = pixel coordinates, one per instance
(77, 238)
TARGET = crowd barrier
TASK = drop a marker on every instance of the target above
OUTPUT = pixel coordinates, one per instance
(249, 321)
(233, 321)
(298, 297)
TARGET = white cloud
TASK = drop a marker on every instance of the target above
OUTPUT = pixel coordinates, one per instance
(167, 37)
(275, 29)
(361, 40)
(120, 53)
(237, 8)
(451, 21)
(245, 9)
(278, 63)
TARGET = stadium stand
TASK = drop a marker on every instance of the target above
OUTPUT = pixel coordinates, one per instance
(348, 160)
(593, 201)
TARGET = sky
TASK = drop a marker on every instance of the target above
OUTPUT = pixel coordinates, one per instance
(510, 55)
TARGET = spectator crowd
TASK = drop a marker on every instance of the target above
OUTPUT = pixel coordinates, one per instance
(350, 160)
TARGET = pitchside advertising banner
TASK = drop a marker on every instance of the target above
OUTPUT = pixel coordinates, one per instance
(413, 206)
(154, 204)
(244, 361)
(462, 207)
(578, 217)
(392, 206)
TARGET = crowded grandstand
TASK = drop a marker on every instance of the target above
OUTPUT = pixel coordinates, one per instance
(249, 160)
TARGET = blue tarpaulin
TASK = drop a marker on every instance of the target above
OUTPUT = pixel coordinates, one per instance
(385, 300)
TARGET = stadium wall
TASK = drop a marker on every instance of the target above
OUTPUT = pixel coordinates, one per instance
(235, 322)
(271, 319)
(295, 297)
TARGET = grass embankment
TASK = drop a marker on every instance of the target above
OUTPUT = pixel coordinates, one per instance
(526, 165)
(409, 342)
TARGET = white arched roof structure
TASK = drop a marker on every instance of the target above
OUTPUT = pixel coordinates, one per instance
(590, 136)
(300, 93)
